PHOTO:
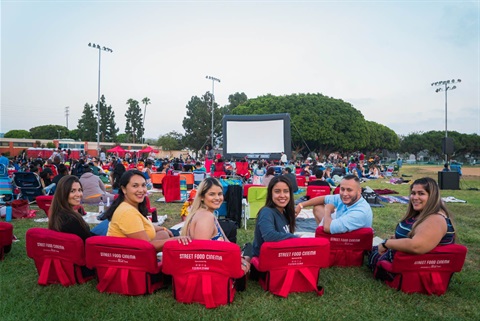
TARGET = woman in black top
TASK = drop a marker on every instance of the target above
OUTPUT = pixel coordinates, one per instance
(63, 216)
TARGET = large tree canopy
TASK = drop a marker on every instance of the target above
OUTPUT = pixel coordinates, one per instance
(325, 124)
(171, 141)
(49, 132)
(108, 127)
(134, 121)
(87, 124)
(18, 133)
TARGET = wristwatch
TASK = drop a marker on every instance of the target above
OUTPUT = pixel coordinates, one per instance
(384, 244)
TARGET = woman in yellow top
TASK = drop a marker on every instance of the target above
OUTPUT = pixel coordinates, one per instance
(128, 213)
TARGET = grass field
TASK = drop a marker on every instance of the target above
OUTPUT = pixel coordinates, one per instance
(350, 293)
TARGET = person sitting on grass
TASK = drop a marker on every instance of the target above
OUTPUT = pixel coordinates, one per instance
(344, 212)
(128, 213)
(426, 224)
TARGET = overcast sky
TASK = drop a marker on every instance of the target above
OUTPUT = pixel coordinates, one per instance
(381, 56)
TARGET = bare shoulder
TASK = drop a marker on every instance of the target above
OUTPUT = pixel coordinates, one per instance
(203, 215)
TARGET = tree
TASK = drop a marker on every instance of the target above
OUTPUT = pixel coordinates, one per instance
(197, 123)
(108, 129)
(48, 132)
(325, 124)
(145, 101)
(134, 128)
(233, 101)
(87, 124)
(171, 141)
(381, 137)
(18, 133)
(121, 138)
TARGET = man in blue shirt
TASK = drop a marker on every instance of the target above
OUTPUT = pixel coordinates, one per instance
(344, 212)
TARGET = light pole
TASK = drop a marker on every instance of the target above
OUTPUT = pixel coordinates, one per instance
(446, 85)
(100, 48)
(213, 100)
(59, 131)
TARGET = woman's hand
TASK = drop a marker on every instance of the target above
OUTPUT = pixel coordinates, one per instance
(245, 265)
(185, 240)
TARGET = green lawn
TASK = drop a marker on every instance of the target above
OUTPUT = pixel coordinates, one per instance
(350, 293)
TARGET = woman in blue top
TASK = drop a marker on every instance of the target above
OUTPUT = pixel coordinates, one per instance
(276, 220)
(426, 224)
(201, 223)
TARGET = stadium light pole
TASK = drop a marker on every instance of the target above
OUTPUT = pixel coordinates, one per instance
(213, 79)
(100, 49)
(446, 85)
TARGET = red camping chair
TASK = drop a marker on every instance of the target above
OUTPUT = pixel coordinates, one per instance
(124, 265)
(301, 181)
(203, 271)
(428, 273)
(59, 257)
(53, 168)
(292, 265)
(314, 191)
(44, 202)
(219, 170)
(6, 236)
(348, 249)
(242, 170)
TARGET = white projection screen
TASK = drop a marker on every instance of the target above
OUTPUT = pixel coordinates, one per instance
(256, 136)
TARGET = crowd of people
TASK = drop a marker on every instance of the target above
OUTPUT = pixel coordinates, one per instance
(426, 224)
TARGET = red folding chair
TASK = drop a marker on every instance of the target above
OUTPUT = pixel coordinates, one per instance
(348, 249)
(124, 265)
(242, 170)
(301, 181)
(292, 265)
(314, 191)
(44, 202)
(59, 257)
(203, 271)
(6, 236)
(428, 273)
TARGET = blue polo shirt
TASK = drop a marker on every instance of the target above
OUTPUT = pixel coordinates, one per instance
(349, 218)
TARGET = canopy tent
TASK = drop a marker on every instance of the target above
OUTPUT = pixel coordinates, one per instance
(148, 149)
(118, 150)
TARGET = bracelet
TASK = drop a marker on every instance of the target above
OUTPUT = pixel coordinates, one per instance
(384, 244)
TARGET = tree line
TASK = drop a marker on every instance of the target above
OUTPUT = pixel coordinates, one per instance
(319, 124)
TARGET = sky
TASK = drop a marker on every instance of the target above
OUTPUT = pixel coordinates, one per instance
(380, 56)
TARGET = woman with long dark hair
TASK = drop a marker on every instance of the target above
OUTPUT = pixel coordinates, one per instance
(276, 220)
(63, 215)
(128, 213)
(426, 224)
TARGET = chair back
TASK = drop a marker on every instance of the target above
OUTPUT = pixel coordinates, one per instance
(314, 191)
(203, 271)
(292, 265)
(44, 202)
(256, 198)
(6, 235)
(124, 265)
(29, 185)
(198, 176)
(189, 179)
(157, 179)
(428, 273)
(348, 249)
(246, 187)
(58, 256)
(301, 181)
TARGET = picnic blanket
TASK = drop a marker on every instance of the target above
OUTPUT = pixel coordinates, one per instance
(451, 199)
(385, 191)
(394, 199)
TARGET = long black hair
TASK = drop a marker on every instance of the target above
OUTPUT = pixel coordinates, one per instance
(289, 210)
(123, 182)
